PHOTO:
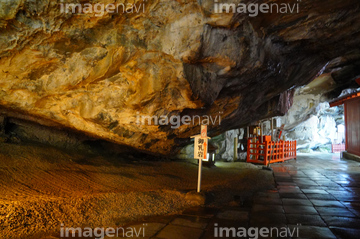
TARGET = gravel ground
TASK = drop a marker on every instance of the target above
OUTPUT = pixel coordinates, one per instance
(42, 187)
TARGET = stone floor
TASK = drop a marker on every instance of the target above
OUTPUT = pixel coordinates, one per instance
(317, 196)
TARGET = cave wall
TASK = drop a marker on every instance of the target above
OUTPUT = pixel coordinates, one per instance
(97, 74)
(323, 126)
(311, 121)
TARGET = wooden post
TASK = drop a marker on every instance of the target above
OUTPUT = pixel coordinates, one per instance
(199, 176)
(346, 127)
(272, 129)
(235, 148)
(266, 152)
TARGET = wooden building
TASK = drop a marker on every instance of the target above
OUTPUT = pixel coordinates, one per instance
(352, 121)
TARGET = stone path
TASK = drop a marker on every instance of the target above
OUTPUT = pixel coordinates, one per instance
(317, 196)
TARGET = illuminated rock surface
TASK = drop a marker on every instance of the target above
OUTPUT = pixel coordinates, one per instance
(96, 75)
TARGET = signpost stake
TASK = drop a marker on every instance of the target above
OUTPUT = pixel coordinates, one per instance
(199, 176)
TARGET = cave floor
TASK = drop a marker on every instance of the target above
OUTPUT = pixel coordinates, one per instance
(316, 196)
(42, 187)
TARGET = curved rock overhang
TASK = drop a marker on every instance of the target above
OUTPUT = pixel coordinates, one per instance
(100, 74)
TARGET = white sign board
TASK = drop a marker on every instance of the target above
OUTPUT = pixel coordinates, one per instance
(200, 147)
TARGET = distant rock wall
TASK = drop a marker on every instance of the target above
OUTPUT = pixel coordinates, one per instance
(322, 128)
(312, 123)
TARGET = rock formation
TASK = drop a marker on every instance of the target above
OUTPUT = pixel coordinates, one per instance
(97, 74)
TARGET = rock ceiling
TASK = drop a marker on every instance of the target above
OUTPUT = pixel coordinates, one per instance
(99, 74)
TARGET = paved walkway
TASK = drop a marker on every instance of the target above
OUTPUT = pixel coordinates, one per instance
(317, 196)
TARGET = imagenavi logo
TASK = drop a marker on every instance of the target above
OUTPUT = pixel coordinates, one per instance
(253, 9)
(99, 9)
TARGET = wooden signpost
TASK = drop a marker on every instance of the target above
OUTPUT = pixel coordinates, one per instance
(200, 150)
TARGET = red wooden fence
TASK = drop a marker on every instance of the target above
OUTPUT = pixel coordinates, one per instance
(270, 151)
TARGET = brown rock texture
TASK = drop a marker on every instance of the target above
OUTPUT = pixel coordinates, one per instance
(99, 74)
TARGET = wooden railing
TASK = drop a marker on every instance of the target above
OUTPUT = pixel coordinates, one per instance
(270, 151)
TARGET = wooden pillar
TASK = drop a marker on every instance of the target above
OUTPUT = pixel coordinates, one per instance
(235, 147)
(272, 129)
(346, 127)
